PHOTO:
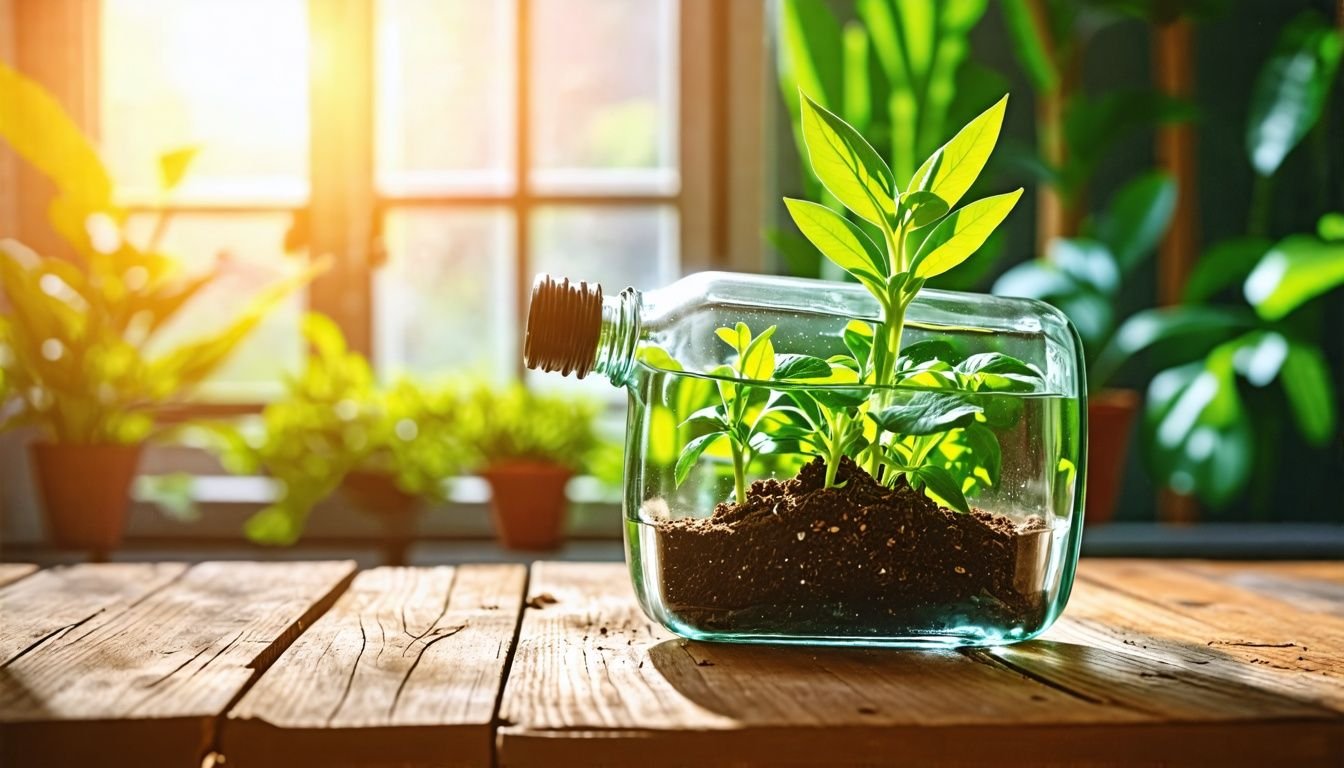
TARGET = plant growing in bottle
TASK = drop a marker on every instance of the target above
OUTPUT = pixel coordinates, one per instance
(829, 462)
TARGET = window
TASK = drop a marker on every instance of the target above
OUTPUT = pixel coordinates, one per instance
(441, 151)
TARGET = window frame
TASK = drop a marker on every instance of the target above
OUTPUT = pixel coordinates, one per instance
(721, 97)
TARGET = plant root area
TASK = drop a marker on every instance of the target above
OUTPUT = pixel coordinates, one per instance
(860, 559)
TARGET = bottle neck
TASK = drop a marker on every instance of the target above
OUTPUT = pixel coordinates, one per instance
(573, 328)
(618, 337)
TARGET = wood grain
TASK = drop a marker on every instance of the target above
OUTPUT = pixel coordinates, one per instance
(1170, 614)
(594, 682)
(12, 572)
(47, 605)
(143, 681)
(405, 669)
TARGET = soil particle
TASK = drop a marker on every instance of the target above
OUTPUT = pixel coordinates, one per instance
(542, 600)
(797, 558)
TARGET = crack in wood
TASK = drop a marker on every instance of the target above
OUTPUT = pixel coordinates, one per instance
(396, 698)
(59, 630)
(350, 679)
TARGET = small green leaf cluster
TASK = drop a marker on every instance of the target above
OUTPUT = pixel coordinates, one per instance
(743, 410)
(939, 438)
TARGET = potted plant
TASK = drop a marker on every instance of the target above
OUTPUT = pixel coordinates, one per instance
(1083, 277)
(385, 448)
(528, 445)
(80, 337)
(932, 492)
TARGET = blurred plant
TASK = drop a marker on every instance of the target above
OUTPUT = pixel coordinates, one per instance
(1083, 276)
(1200, 435)
(336, 420)
(513, 423)
(78, 332)
(899, 75)
(1075, 130)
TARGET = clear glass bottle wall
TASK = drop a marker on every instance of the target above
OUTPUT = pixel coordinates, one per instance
(857, 554)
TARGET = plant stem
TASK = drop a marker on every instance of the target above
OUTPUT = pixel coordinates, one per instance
(739, 474)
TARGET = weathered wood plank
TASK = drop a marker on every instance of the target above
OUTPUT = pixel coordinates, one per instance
(594, 682)
(146, 683)
(1309, 586)
(12, 572)
(58, 600)
(405, 669)
(1176, 616)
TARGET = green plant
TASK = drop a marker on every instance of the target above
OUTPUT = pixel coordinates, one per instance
(336, 420)
(513, 423)
(929, 433)
(80, 331)
(1083, 276)
(1200, 435)
(742, 412)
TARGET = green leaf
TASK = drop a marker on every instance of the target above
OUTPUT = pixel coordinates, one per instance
(997, 363)
(691, 454)
(940, 483)
(858, 105)
(655, 356)
(925, 351)
(1306, 381)
(961, 234)
(1197, 435)
(1223, 265)
(758, 362)
(1087, 261)
(1296, 269)
(1137, 217)
(1331, 227)
(788, 367)
(839, 240)
(173, 166)
(810, 57)
(847, 164)
(928, 413)
(925, 207)
(1035, 279)
(1196, 327)
(1290, 91)
(1031, 49)
(950, 171)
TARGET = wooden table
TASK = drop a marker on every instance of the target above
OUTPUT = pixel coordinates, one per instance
(296, 664)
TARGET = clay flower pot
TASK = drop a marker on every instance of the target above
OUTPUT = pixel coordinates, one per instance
(377, 494)
(85, 492)
(1110, 414)
(528, 503)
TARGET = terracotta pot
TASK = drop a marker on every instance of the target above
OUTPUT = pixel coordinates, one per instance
(528, 502)
(377, 494)
(85, 492)
(1110, 414)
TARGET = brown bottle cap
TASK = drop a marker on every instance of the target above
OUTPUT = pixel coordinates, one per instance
(564, 322)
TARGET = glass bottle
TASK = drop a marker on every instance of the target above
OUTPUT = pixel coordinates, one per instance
(869, 552)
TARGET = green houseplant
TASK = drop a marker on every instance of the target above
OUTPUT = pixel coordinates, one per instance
(528, 445)
(1246, 319)
(79, 333)
(385, 447)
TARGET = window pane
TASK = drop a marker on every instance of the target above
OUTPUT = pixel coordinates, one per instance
(229, 77)
(444, 302)
(615, 246)
(445, 95)
(252, 246)
(603, 111)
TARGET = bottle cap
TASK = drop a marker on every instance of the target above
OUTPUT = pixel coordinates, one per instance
(564, 323)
